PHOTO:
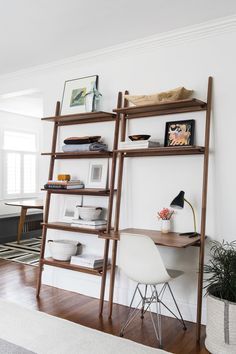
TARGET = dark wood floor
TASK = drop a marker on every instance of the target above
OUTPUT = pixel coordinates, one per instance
(17, 284)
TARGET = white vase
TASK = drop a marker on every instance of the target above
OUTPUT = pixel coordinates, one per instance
(165, 226)
(89, 103)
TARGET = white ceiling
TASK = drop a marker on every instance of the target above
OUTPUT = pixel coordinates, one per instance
(34, 32)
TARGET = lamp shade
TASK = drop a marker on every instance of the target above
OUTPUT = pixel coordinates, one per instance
(178, 201)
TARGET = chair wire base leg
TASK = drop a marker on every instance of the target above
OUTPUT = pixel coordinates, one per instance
(157, 325)
(132, 312)
(143, 302)
(158, 314)
(181, 318)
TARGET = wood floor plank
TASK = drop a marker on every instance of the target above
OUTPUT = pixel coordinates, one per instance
(18, 282)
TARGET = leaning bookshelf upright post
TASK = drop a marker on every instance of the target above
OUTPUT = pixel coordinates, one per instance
(204, 206)
(75, 119)
(48, 198)
(110, 204)
(171, 239)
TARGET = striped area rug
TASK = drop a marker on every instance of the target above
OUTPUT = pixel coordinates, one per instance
(26, 252)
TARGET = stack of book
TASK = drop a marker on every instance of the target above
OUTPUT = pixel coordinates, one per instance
(73, 184)
(139, 144)
(91, 224)
(87, 261)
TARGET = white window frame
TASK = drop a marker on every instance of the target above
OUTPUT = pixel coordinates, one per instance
(5, 195)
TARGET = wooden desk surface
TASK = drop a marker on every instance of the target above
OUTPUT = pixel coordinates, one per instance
(172, 239)
(27, 203)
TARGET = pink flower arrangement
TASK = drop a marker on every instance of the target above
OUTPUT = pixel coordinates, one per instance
(165, 214)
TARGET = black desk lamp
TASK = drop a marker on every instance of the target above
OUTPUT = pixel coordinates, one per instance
(178, 203)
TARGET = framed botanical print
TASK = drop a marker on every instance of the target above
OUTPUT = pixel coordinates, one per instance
(179, 133)
(78, 95)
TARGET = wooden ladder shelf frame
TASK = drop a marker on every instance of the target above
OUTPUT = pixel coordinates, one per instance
(93, 117)
(124, 117)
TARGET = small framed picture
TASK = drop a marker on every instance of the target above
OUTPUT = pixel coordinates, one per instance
(179, 133)
(75, 93)
(98, 174)
(70, 210)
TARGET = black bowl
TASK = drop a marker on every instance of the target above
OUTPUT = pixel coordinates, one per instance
(139, 137)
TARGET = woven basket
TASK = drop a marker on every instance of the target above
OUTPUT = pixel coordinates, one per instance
(221, 326)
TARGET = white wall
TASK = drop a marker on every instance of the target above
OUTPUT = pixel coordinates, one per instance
(185, 58)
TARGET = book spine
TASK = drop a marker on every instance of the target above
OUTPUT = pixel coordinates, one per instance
(83, 264)
(89, 223)
(94, 227)
(80, 186)
(54, 186)
(61, 186)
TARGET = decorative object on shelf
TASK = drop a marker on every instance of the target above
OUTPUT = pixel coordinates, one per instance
(70, 210)
(179, 133)
(138, 137)
(180, 93)
(74, 95)
(221, 298)
(98, 173)
(178, 203)
(92, 98)
(89, 213)
(62, 250)
(63, 177)
(138, 144)
(165, 215)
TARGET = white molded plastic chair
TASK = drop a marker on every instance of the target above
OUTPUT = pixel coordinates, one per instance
(141, 261)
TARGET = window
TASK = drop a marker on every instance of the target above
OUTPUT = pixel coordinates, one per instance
(20, 157)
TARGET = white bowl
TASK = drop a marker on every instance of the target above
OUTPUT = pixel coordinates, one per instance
(89, 213)
(62, 250)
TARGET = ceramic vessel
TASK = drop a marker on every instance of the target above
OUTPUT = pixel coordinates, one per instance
(165, 226)
(62, 250)
(138, 137)
(89, 213)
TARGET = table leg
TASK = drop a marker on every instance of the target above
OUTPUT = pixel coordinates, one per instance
(21, 223)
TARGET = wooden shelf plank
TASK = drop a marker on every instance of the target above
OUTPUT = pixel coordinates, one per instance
(83, 191)
(79, 155)
(82, 118)
(164, 151)
(181, 106)
(65, 226)
(172, 239)
(67, 265)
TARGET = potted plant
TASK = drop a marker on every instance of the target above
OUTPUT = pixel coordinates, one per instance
(221, 299)
(165, 215)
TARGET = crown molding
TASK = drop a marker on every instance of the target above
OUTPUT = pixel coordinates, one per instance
(176, 37)
(5, 112)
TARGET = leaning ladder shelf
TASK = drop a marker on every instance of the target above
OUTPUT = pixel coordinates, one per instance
(184, 106)
(60, 121)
